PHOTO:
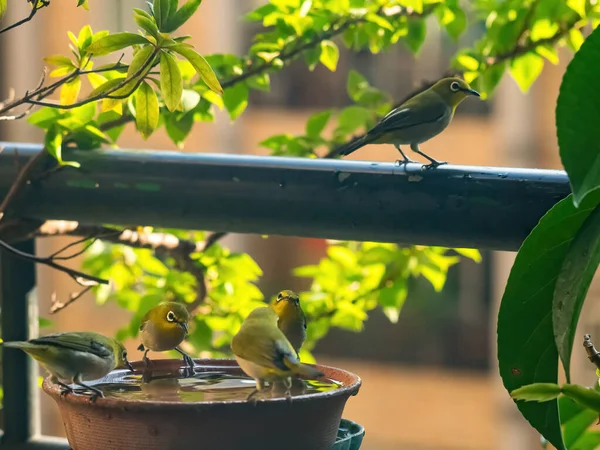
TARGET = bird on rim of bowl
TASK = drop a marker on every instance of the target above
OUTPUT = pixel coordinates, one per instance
(418, 119)
(75, 357)
(163, 328)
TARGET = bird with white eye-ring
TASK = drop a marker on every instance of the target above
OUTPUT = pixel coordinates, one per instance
(163, 328)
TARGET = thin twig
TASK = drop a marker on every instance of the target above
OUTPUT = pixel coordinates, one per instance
(80, 278)
(593, 354)
(35, 8)
(59, 306)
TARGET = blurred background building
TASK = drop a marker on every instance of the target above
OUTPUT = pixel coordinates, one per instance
(430, 381)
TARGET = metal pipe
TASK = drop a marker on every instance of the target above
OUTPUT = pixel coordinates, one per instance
(451, 206)
(17, 279)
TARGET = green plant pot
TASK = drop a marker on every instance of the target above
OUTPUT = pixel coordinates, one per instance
(350, 436)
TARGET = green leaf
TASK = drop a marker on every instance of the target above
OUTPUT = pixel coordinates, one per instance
(576, 426)
(576, 274)
(2, 8)
(70, 91)
(202, 67)
(468, 62)
(146, 110)
(525, 69)
(139, 61)
(53, 143)
(181, 16)
(526, 350)
(171, 83)
(85, 38)
(116, 42)
(59, 61)
(577, 116)
(356, 84)
(578, 6)
(162, 9)
(146, 23)
(330, 54)
(453, 18)
(236, 100)
(44, 117)
(178, 128)
(351, 119)
(190, 99)
(585, 396)
(537, 392)
(589, 441)
(316, 123)
(417, 30)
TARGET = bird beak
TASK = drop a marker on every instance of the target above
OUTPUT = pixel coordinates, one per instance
(184, 325)
(472, 92)
(129, 366)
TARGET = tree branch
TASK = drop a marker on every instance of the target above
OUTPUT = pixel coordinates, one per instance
(34, 9)
(164, 245)
(80, 278)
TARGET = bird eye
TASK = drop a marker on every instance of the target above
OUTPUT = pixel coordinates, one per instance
(124, 356)
(279, 297)
(454, 86)
(171, 316)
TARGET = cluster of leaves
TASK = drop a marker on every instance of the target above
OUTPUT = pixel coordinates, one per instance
(355, 278)
(555, 265)
(579, 409)
(520, 36)
(352, 280)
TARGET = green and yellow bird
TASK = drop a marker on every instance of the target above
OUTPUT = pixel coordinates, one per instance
(292, 321)
(264, 353)
(417, 120)
(75, 357)
(163, 328)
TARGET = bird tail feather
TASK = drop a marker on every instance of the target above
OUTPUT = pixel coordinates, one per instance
(303, 369)
(353, 146)
(29, 348)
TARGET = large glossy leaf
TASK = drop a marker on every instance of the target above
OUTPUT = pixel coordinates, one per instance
(202, 67)
(146, 110)
(526, 350)
(116, 42)
(573, 282)
(577, 119)
(171, 83)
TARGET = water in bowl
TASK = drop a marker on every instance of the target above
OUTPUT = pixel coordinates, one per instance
(203, 387)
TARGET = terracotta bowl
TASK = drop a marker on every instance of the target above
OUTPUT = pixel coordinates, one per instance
(309, 422)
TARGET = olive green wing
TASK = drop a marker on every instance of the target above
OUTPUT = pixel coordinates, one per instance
(79, 341)
(144, 321)
(266, 350)
(426, 107)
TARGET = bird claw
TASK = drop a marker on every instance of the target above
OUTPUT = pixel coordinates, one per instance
(403, 162)
(433, 165)
(65, 390)
(288, 397)
(95, 395)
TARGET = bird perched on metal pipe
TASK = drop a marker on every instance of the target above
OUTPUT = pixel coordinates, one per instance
(163, 328)
(292, 321)
(264, 353)
(417, 120)
(75, 357)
